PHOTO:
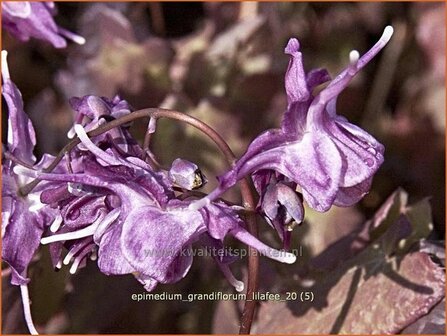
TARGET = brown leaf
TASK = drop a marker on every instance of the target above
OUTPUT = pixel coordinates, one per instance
(347, 302)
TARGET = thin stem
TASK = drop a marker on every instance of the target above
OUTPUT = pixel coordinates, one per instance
(246, 193)
(12, 158)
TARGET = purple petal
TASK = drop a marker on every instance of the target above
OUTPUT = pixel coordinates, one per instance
(21, 135)
(270, 203)
(317, 77)
(290, 200)
(21, 240)
(111, 259)
(152, 239)
(348, 196)
(298, 95)
(296, 85)
(362, 154)
(220, 218)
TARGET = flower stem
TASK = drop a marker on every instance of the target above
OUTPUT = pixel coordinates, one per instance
(246, 193)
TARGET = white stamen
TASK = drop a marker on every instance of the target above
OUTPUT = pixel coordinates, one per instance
(69, 255)
(80, 258)
(75, 265)
(27, 309)
(85, 232)
(20, 170)
(59, 264)
(82, 135)
(152, 125)
(108, 219)
(56, 223)
(5, 69)
(354, 57)
(94, 255)
(387, 33)
(245, 237)
(71, 133)
(78, 39)
(72, 253)
(75, 38)
(10, 137)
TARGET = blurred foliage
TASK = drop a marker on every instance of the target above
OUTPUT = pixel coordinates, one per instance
(224, 63)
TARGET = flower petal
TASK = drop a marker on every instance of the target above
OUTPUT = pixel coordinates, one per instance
(362, 154)
(152, 239)
(21, 135)
(348, 196)
(21, 240)
(111, 259)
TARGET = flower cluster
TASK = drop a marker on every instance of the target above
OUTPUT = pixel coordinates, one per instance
(106, 201)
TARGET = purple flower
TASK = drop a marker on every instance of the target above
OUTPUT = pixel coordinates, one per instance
(23, 217)
(144, 230)
(26, 19)
(332, 160)
(93, 111)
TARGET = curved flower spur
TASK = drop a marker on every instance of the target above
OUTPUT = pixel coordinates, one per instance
(330, 159)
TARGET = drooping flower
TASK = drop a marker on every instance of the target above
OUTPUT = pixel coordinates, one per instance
(331, 160)
(26, 19)
(148, 230)
(24, 217)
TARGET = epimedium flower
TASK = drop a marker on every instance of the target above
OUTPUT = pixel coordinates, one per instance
(24, 217)
(148, 229)
(26, 19)
(330, 159)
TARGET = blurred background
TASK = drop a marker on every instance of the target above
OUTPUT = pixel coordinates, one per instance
(224, 63)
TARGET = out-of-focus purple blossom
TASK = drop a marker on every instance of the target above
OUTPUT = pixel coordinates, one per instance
(332, 160)
(186, 175)
(26, 19)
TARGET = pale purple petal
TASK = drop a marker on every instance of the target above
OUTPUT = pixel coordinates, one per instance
(21, 135)
(152, 239)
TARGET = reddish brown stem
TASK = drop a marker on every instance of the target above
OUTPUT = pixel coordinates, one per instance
(246, 193)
